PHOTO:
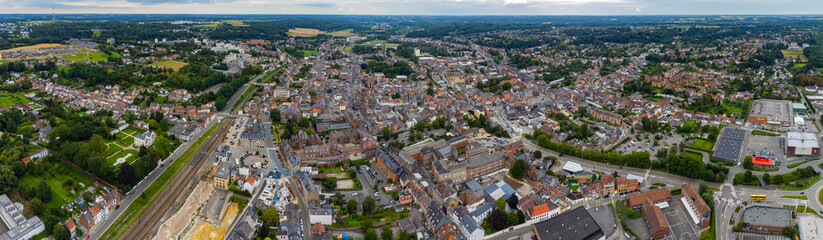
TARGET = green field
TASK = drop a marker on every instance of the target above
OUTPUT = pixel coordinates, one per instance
(793, 165)
(56, 179)
(702, 144)
(348, 49)
(802, 184)
(11, 99)
(691, 155)
(174, 65)
(804, 197)
(112, 148)
(133, 131)
(113, 159)
(795, 54)
(738, 179)
(136, 208)
(85, 55)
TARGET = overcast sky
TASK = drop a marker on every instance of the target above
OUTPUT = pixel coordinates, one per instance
(420, 7)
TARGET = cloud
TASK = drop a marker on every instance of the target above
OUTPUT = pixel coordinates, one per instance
(153, 2)
(319, 4)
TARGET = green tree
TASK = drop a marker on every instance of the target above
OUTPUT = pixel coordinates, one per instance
(369, 205)
(747, 176)
(498, 219)
(60, 232)
(767, 178)
(370, 234)
(37, 207)
(403, 235)
(386, 233)
(44, 191)
(789, 232)
(518, 169)
(501, 204)
(386, 132)
(538, 154)
(747, 162)
(274, 115)
(330, 183)
(351, 207)
(270, 216)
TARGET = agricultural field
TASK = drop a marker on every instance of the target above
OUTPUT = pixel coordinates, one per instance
(236, 23)
(85, 55)
(794, 54)
(311, 32)
(206, 26)
(11, 99)
(174, 65)
(56, 177)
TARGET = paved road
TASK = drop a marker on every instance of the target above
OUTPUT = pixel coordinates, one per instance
(98, 230)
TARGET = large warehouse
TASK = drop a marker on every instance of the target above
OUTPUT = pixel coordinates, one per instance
(802, 144)
(729, 144)
(772, 112)
(766, 218)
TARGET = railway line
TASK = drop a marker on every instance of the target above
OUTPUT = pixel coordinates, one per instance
(175, 193)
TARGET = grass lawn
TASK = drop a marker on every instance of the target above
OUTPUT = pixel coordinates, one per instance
(133, 131)
(86, 55)
(731, 108)
(691, 124)
(174, 65)
(56, 179)
(11, 99)
(136, 208)
(702, 144)
(801, 184)
(738, 179)
(820, 196)
(801, 209)
(691, 155)
(112, 148)
(794, 165)
(794, 54)
(130, 159)
(804, 197)
(206, 26)
(348, 49)
(124, 140)
(764, 133)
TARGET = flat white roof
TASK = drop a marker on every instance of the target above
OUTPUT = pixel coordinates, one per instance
(810, 227)
(572, 167)
(636, 177)
(690, 210)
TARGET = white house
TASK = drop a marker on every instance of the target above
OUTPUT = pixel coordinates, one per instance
(251, 183)
(543, 212)
(145, 139)
(470, 228)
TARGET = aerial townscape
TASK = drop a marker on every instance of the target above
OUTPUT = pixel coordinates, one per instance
(512, 126)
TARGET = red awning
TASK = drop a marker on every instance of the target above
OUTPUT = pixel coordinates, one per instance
(763, 161)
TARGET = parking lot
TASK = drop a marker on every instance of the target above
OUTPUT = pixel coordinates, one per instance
(765, 147)
(682, 227)
(645, 144)
(368, 177)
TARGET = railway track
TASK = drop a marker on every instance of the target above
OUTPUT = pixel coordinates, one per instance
(173, 195)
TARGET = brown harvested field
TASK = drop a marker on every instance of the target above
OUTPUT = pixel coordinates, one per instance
(311, 32)
(175, 65)
(343, 33)
(236, 23)
(304, 32)
(38, 46)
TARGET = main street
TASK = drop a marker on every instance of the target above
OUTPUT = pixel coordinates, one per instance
(127, 199)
